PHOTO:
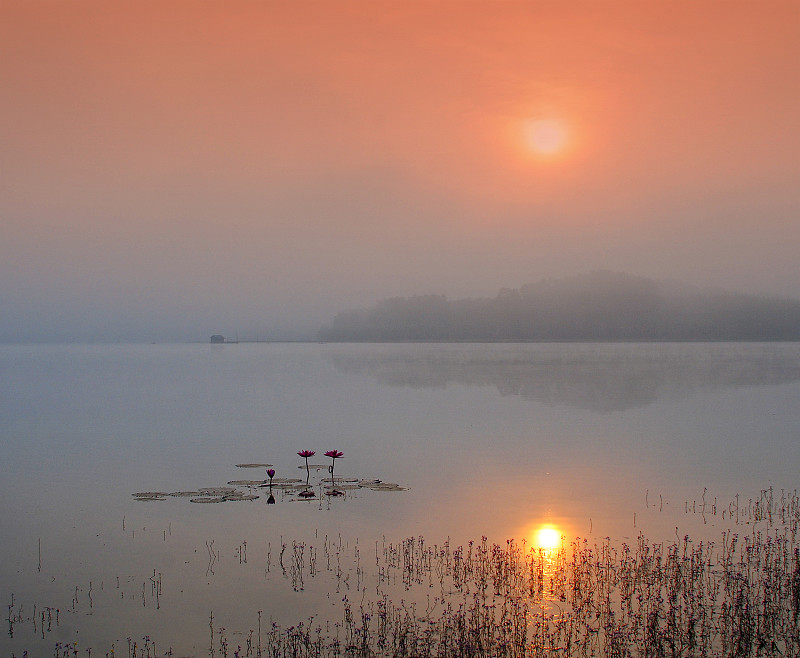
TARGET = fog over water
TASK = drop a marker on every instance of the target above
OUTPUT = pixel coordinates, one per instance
(173, 170)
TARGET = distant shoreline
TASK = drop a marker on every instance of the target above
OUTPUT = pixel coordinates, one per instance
(600, 306)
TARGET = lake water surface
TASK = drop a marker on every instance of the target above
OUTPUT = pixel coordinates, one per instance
(494, 440)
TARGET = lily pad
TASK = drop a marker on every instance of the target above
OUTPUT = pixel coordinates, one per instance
(253, 465)
(150, 494)
(148, 498)
(388, 486)
(247, 483)
(207, 499)
(216, 491)
(185, 494)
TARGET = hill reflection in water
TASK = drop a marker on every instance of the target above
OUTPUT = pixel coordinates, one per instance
(598, 377)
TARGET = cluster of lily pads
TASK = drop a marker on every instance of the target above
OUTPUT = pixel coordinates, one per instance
(303, 490)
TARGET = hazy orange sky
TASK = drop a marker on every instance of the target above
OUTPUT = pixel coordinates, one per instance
(171, 169)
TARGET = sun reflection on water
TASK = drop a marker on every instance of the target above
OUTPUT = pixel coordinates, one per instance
(547, 537)
(547, 559)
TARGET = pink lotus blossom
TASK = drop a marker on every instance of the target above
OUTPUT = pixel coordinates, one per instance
(305, 454)
(271, 473)
(334, 455)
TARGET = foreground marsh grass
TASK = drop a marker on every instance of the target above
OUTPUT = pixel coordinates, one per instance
(738, 595)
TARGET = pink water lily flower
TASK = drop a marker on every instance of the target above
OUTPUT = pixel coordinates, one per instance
(334, 455)
(271, 473)
(305, 454)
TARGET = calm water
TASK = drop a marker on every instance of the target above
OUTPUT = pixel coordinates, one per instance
(495, 440)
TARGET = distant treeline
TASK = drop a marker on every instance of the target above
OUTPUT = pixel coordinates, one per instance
(598, 306)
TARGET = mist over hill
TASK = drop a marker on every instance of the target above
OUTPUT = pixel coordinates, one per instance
(601, 305)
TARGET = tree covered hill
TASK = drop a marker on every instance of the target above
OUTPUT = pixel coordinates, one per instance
(598, 306)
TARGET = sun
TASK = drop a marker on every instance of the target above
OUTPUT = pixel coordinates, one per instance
(545, 137)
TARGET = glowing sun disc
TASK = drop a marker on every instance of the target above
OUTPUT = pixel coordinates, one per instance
(545, 136)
